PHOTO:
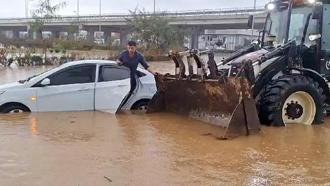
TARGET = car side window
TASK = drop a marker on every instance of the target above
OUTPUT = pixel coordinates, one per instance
(112, 73)
(74, 75)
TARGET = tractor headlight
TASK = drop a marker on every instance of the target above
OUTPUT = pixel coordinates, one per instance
(270, 6)
(313, 37)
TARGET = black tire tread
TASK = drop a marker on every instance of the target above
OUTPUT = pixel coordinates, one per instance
(11, 107)
(270, 103)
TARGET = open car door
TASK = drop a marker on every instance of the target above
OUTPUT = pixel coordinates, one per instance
(112, 87)
(130, 96)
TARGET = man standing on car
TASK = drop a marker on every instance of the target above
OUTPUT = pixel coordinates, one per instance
(131, 58)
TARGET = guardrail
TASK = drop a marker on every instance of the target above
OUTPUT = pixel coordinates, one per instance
(120, 17)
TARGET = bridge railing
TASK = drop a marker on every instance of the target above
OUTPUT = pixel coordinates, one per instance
(122, 17)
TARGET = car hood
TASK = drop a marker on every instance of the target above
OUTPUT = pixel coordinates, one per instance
(10, 86)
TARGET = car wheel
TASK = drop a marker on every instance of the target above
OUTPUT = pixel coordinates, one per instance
(141, 106)
(12, 109)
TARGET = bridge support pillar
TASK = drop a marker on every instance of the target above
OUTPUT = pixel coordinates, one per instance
(71, 35)
(194, 37)
(90, 36)
(123, 38)
(56, 34)
(107, 37)
(16, 34)
(29, 31)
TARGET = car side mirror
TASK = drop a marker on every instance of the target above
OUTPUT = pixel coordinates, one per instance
(250, 21)
(313, 37)
(45, 82)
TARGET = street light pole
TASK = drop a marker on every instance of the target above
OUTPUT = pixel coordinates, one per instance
(26, 9)
(78, 7)
(154, 6)
(100, 7)
(254, 8)
(100, 13)
(27, 13)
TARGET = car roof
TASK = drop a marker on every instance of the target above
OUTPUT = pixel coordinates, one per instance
(89, 62)
(71, 63)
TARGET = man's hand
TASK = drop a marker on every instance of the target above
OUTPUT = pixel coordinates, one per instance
(119, 63)
(151, 71)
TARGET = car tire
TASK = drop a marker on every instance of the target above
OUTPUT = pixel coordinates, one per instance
(141, 105)
(14, 108)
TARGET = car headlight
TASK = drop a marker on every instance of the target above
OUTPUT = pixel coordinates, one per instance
(1, 92)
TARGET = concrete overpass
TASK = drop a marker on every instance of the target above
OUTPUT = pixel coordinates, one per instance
(197, 21)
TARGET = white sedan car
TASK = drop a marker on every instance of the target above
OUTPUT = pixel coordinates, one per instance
(78, 86)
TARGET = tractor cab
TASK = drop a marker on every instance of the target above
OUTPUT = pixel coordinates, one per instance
(285, 24)
(302, 21)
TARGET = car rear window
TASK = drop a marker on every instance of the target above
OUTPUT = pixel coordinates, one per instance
(111, 73)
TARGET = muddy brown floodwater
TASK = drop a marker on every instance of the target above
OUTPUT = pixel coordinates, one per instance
(95, 148)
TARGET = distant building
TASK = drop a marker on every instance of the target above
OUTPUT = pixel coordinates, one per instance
(47, 35)
(23, 35)
(7, 34)
(231, 39)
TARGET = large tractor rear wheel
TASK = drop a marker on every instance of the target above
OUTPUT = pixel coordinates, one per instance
(292, 99)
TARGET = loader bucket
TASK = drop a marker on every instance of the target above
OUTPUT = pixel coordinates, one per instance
(226, 103)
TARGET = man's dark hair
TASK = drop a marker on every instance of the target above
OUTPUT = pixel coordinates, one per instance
(131, 43)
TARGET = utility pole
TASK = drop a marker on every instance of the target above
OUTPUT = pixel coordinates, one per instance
(100, 13)
(154, 6)
(100, 7)
(26, 8)
(78, 20)
(27, 14)
(78, 6)
(254, 8)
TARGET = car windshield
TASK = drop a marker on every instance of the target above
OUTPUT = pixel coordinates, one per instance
(31, 77)
(276, 26)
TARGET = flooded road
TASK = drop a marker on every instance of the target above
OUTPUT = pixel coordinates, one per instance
(95, 148)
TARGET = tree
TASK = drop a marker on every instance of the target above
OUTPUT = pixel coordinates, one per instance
(44, 13)
(154, 31)
(72, 29)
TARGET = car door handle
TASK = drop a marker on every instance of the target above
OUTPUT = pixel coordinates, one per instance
(84, 89)
(122, 85)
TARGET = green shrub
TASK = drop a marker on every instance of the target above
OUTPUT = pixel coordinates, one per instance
(37, 60)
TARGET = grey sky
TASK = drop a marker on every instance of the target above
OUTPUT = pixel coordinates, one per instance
(16, 8)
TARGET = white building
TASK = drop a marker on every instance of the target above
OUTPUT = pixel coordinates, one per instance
(231, 39)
